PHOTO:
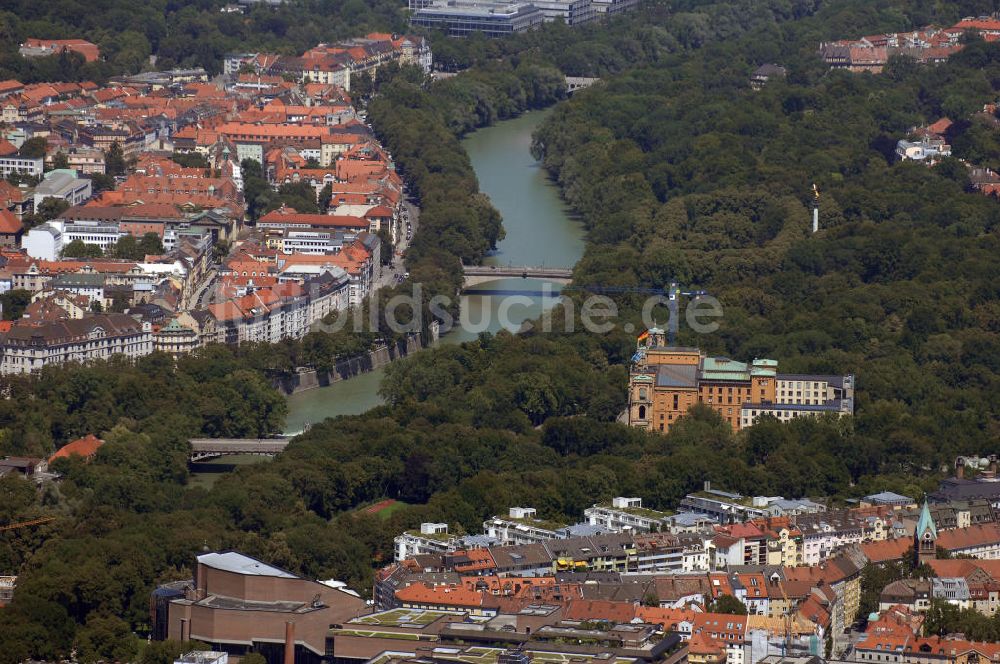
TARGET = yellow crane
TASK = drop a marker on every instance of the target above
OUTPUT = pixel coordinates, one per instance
(25, 524)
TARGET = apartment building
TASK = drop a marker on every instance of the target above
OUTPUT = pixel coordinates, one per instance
(727, 507)
(625, 514)
(521, 526)
(431, 538)
(284, 311)
(11, 164)
(29, 348)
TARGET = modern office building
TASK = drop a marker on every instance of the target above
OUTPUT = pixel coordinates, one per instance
(64, 185)
(460, 18)
(605, 7)
(571, 12)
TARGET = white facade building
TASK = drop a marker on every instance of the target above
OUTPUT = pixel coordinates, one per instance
(28, 349)
(625, 514)
(432, 538)
(64, 185)
(520, 527)
(96, 233)
(23, 165)
(44, 242)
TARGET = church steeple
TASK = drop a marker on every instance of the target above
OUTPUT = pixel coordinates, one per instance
(925, 536)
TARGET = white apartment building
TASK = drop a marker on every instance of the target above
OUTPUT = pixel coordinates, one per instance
(329, 74)
(310, 242)
(431, 538)
(812, 390)
(44, 242)
(625, 514)
(521, 526)
(28, 349)
(23, 165)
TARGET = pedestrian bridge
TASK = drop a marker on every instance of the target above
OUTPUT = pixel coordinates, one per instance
(574, 83)
(480, 274)
(207, 448)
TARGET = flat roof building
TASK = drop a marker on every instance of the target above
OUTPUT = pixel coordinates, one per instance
(460, 18)
(571, 12)
(240, 604)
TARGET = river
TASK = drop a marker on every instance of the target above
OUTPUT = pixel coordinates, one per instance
(540, 231)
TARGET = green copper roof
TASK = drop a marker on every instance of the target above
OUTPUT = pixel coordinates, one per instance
(926, 522)
(724, 375)
(723, 364)
(175, 326)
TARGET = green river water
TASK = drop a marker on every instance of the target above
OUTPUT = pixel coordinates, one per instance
(540, 231)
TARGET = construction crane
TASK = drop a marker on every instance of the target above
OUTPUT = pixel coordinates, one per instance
(25, 524)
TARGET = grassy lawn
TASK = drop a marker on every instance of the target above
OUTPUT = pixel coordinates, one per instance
(395, 507)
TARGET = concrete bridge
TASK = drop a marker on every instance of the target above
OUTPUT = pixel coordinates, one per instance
(574, 83)
(480, 274)
(207, 448)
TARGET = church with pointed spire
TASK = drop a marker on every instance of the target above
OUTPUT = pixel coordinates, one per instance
(925, 536)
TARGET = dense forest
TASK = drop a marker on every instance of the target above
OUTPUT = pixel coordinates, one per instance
(710, 185)
(679, 171)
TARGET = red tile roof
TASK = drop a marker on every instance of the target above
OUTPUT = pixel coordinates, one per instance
(9, 223)
(940, 127)
(89, 51)
(958, 539)
(450, 595)
(587, 609)
(880, 552)
(86, 447)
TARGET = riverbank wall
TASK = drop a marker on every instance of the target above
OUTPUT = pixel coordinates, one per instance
(349, 368)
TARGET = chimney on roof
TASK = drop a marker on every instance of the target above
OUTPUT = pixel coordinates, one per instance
(960, 467)
(289, 642)
(993, 464)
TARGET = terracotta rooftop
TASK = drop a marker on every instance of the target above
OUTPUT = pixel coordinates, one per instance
(85, 447)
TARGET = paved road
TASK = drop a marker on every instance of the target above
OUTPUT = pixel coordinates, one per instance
(203, 289)
(391, 273)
